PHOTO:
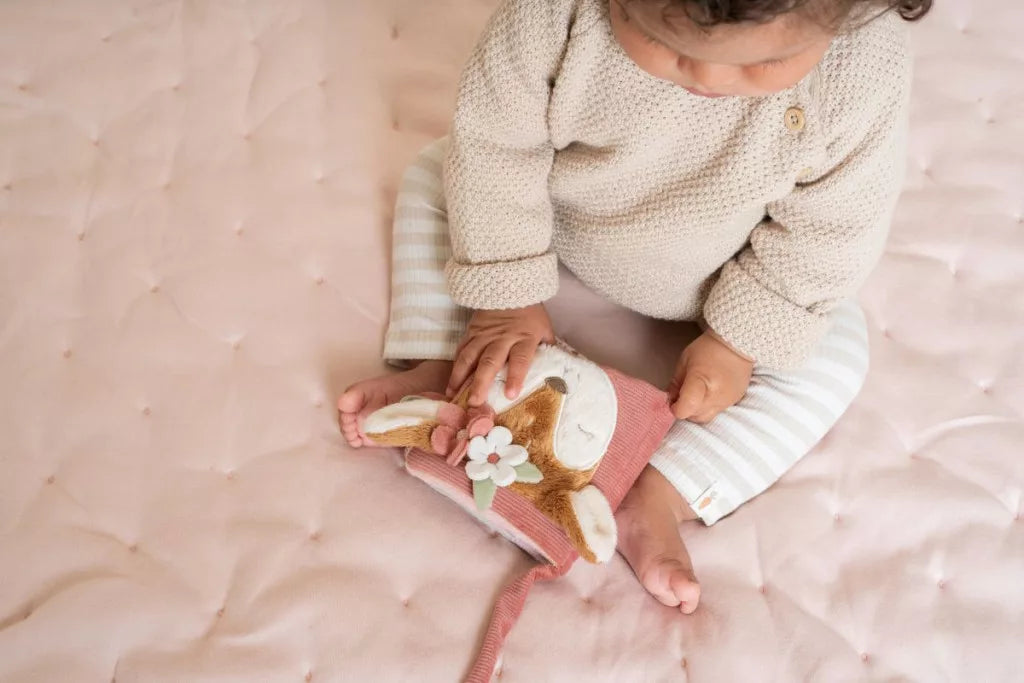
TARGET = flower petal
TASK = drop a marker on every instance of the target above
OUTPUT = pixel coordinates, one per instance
(498, 437)
(503, 474)
(451, 415)
(480, 426)
(478, 471)
(479, 449)
(513, 455)
(442, 439)
(458, 453)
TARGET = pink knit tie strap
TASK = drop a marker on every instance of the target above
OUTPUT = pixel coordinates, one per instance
(506, 611)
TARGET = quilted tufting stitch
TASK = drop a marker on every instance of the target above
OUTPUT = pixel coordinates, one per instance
(195, 201)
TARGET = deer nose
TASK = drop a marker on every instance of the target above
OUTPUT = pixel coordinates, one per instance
(558, 384)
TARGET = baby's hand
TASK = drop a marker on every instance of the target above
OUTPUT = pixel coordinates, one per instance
(710, 377)
(494, 338)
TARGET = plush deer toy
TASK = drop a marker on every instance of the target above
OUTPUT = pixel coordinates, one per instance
(546, 469)
(544, 447)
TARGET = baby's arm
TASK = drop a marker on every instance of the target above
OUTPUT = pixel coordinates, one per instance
(496, 186)
(772, 302)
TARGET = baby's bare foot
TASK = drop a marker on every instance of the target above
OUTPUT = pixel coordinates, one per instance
(648, 522)
(362, 398)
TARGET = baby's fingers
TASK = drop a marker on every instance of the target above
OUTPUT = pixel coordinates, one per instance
(491, 361)
(519, 359)
(691, 397)
(465, 360)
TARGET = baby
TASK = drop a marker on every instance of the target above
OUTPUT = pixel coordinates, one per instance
(730, 162)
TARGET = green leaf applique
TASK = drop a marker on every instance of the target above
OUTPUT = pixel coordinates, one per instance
(527, 473)
(483, 493)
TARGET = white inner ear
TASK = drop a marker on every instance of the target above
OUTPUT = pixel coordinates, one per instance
(408, 413)
(596, 521)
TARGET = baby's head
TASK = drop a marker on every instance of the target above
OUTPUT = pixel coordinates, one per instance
(742, 48)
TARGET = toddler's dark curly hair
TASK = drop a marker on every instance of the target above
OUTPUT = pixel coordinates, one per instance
(833, 14)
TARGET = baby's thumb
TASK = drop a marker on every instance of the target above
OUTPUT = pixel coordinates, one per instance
(691, 397)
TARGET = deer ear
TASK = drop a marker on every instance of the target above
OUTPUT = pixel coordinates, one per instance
(596, 521)
(411, 411)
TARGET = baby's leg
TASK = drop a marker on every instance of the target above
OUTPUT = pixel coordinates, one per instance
(425, 324)
(715, 468)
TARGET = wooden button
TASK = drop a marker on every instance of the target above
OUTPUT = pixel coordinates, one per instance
(795, 119)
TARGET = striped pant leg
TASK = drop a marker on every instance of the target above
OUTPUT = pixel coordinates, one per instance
(424, 321)
(721, 465)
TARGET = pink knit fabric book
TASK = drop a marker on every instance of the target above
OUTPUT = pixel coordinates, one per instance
(547, 469)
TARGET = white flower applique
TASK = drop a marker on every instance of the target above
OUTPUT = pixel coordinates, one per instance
(495, 461)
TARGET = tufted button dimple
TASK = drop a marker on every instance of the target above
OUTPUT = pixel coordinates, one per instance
(8, 187)
(220, 613)
(153, 289)
(81, 236)
(394, 33)
(309, 676)
(229, 475)
(315, 536)
(941, 584)
(147, 411)
(133, 548)
(67, 353)
(865, 657)
(762, 589)
(837, 518)
(50, 479)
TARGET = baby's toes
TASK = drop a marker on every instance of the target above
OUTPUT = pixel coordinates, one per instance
(686, 590)
(353, 400)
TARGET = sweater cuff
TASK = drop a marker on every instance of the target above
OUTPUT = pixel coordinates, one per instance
(774, 331)
(499, 286)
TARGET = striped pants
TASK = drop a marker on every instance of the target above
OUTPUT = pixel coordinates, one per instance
(716, 467)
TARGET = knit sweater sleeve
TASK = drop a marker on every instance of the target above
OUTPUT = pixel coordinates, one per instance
(500, 156)
(819, 243)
